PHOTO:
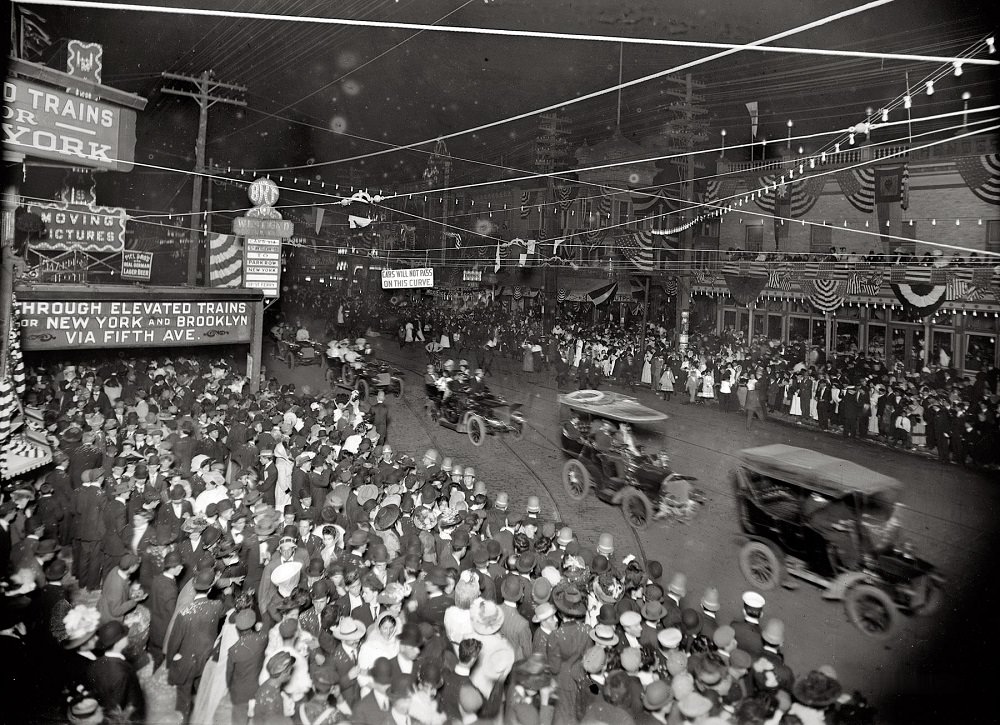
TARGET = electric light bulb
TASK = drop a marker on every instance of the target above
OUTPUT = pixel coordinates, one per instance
(836, 148)
(850, 139)
(812, 163)
(991, 45)
(966, 96)
(933, 222)
(885, 115)
(907, 102)
(958, 68)
(930, 88)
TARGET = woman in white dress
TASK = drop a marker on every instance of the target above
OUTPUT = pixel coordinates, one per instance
(283, 489)
(796, 408)
(647, 369)
(667, 382)
(707, 385)
(873, 416)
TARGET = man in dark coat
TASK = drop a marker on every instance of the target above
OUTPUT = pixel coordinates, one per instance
(244, 663)
(379, 416)
(850, 411)
(116, 540)
(191, 640)
(162, 600)
(83, 457)
(942, 431)
(957, 436)
(824, 402)
(87, 506)
(115, 683)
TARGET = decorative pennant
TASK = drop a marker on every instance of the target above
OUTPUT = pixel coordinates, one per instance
(921, 299)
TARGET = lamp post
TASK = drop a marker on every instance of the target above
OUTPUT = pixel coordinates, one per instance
(723, 152)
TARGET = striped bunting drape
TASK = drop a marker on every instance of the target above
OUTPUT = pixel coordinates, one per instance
(858, 185)
(826, 295)
(602, 294)
(226, 266)
(527, 200)
(982, 175)
(802, 194)
(865, 284)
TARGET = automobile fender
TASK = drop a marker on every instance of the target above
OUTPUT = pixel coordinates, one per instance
(837, 588)
(616, 499)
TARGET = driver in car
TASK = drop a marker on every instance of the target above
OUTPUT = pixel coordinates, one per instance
(302, 333)
(625, 439)
(477, 386)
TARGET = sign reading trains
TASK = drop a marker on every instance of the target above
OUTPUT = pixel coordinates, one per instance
(407, 278)
(39, 120)
(63, 324)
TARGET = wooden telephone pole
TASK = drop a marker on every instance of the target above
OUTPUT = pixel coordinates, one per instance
(207, 94)
(685, 132)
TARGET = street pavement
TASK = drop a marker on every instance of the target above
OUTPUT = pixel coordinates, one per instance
(949, 517)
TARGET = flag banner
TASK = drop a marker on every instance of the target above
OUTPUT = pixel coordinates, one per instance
(639, 249)
(982, 175)
(565, 196)
(920, 299)
(779, 278)
(604, 203)
(904, 202)
(826, 295)
(888, 200)
(720, 190)
(782, 214)
(602, 294)
(752, 108)
(982, 277)
(704, 276)
(897, 274)
(527, 200)
(745, 290)
(801, 194)
(858, 185)
(561, 294)
(320, 213)
(865, 284)
(226, 265)
(670, 287)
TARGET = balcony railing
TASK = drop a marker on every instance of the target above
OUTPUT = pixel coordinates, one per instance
(848, 157)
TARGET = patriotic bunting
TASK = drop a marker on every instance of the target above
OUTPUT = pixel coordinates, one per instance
(226, 266)
(639, 249)
(858, 185)
(602, 294)
(745, 290)
(670, 287)
(826, 295)
(779, 278)
(865, 284)
(888, 203)
(919, 298)
(982, 175)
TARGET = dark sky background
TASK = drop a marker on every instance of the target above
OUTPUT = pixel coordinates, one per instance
(323, 93)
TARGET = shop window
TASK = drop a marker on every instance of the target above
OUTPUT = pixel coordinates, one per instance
(847, 337)
(758, 323)
(729, 319)
(798, 329)
(774, 327)
(980, 351)
(942, 352)
(876, 340)
(820, 238)
(819, 333)
(755, 237)
(993, 235)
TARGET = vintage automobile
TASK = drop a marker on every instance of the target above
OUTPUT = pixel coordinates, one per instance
(368, 375)
(835, 524)
(643, 485)
(475, 414)
(300, 352)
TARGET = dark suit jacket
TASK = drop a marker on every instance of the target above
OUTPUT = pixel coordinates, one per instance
(162, 600)
(165, 516)
(244, 664)
(87, 511)
(116, 528)
(116, 685)
(114, 602)
(367, 711)
(192, 639)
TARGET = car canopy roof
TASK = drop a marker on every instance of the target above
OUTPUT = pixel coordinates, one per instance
(816, 471)
(612, 406)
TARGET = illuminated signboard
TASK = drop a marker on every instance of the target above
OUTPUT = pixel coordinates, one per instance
(262, 265)
(66, 324)
(80, 228)
(42, 121)
(407, 278)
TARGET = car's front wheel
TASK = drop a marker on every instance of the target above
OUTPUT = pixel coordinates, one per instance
(871, 610)
(576, 479)
(477, 430)
(760, 565)
(637, 509)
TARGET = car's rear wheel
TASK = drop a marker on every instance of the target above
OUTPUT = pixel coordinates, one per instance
(760, 565)
(871, 610)
(477, 430)
(576, 479)
(637, 509)
(362, 388)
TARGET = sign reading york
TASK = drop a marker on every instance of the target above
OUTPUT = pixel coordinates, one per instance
(42, 121)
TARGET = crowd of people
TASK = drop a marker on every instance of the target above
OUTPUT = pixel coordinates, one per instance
(270, 553)
(934, 408)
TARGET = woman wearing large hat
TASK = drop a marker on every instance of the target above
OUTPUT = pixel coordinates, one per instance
(567, 644)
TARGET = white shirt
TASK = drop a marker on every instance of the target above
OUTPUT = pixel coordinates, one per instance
(208, 496)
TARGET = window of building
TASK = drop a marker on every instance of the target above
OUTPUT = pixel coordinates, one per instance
(980, 351)
(755, 238)
(820, 238)
(993, 235)
(623, 212)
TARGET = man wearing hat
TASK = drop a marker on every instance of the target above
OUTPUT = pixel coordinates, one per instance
(113, 679)
(191, 640)
(269, 705)
(342, 661)
(87, 506)
(115, 518)
(288, 551)
(115, 601)
(162, 601)
(244, 663)
(374, 707)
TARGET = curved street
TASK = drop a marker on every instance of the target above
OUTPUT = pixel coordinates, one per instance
(948, 516)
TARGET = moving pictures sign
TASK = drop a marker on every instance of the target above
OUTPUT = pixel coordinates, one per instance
(65, 324)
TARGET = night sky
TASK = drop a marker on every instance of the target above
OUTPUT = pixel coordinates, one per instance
(323, 93)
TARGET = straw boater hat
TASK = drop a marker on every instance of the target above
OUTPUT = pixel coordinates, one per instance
(349, 630)
(286, 577)
(487, 617)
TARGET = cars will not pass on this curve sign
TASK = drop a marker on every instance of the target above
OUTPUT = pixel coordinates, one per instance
(407, 278)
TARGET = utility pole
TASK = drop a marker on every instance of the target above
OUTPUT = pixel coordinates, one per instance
(208, 94)
(552, 154)
(685, 132)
